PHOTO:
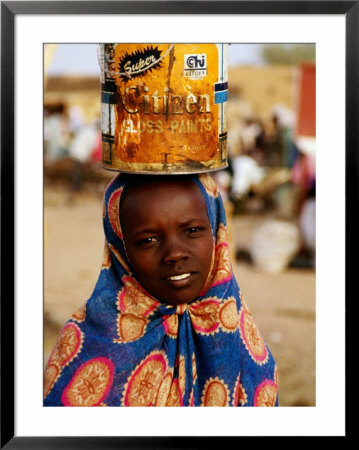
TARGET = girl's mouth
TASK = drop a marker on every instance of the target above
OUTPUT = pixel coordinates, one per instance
(183, 276)
(179, 281)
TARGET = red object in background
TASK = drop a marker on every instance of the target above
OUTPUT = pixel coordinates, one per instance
(306, 101)
(96, 155)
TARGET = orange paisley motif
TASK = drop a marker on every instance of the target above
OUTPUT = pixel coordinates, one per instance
(130, 327)
(80, 314)
(119, 257)
(51, 374)
(205, 315)
(228, 315)
(170, 324)
(90, 384)
(209, 184)
(222, 271)
(222, 236)
(106, 259)
(143, 384)
(175, 397)
(67, 346)
(164, 390)
(266, 394)
(221, 268)
(252, 338)
(215, 393)
(133, 299)
(113, 208)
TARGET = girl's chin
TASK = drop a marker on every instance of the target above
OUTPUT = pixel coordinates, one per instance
(175, 301)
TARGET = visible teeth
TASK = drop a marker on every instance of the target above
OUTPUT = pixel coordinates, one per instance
(180, 277)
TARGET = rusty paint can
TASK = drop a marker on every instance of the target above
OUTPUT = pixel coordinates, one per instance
(164, 107)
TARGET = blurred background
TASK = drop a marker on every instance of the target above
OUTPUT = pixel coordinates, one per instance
(268, 190)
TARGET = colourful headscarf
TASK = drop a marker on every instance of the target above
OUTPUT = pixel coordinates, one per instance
(125, 348)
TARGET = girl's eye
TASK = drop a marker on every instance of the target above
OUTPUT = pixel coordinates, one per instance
(194, 231)
(148, 242)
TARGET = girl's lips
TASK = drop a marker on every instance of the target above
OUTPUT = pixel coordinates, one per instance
(180, 280)
(179, 277)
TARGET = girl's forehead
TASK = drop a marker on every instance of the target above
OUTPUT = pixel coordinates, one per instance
(161, 188)
(163, 197)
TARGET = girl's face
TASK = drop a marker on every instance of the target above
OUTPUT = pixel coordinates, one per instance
(168, 239)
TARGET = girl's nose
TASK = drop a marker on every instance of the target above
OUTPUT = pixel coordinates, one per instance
(174, 252)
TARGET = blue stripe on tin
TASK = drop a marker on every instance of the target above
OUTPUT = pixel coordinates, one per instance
(220, 97)
(108, 97)
(221, 86)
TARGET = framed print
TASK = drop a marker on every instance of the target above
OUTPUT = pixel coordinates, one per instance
(25, 27)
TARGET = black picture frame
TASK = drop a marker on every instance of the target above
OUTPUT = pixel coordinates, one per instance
(9, 10)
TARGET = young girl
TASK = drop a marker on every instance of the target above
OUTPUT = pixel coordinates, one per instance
(167, 324)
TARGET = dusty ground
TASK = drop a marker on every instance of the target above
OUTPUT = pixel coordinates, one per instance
(283, 305)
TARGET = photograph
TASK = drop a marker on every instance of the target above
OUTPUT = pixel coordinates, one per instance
(175, 248)
(238, 119)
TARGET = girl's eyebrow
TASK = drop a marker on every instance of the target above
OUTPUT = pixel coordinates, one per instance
(144, 231)
(183, 224)
(191, 221)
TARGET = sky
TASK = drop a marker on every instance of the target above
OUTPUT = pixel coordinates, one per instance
(79, 59)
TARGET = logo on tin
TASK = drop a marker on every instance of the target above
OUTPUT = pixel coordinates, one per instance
(195, 66)
(137, 64)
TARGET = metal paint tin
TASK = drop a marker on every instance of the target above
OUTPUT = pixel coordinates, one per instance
(164, 107)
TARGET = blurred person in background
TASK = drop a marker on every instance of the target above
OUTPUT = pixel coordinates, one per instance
(251, 137)
(81, 148)
(96, 155)
(307, 223)
(76, 119)
(56, 133)
(246, 165)
(304, 178)
(280, 151)
(246, 173)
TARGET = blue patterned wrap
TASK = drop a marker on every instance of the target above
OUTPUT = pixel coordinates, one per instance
(125, 348)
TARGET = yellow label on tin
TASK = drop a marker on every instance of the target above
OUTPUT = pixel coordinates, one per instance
(169, 110)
